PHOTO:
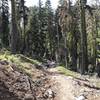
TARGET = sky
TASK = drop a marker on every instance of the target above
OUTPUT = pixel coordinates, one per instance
(53, 2)
(35, 2)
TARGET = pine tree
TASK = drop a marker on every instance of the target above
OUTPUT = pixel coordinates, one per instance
(4, 23)
(41, 31)
(36, 31)
(32, 33)
(50, 40)
(61, 2)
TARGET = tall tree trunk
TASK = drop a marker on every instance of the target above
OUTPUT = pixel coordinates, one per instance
(14, 30)
(94, 28)
(84, 63)
(4, 23)
(66, 51)
(24, 26)
(74, 53)
(58, 46)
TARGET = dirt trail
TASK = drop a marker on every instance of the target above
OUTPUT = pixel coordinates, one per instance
(69, 88)
(63, 87)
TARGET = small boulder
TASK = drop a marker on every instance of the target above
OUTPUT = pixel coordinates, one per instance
(29, 97)
(49, 94)
(81, 97)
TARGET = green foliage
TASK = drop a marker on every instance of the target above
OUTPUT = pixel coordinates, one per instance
(17, 59)
(50, 31)
(4, 36)
(61, 2)
(36, 32)
(40, 34)
(66, 72)
(22, 62)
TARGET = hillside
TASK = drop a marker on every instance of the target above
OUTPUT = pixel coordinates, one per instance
(22, 78)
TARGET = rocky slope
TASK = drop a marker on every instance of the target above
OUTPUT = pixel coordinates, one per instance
(43, 84)
(14, 84)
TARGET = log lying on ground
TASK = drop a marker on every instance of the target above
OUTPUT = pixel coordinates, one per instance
(87, 84)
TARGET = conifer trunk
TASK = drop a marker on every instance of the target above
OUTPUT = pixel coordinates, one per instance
(84, 63)
(14, 30)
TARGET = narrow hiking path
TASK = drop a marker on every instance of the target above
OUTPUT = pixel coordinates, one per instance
(61, 85)
(69, 88)
(63, 88)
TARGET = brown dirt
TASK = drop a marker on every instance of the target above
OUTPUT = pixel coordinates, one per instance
(43, 85)
(69, 88)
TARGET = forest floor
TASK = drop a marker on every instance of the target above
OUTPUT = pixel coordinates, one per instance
(22, 78)
(71, 88)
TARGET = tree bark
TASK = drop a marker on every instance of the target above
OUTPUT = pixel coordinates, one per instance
(14, 30)
(84, 63)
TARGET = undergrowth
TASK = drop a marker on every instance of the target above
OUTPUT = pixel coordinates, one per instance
(67, 72)
(22, 62)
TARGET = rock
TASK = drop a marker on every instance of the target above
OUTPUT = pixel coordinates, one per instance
(28, 97)
(16, 83)
(70, 77)
(82, 90)
(80, 98)
(49, 64)
(4, 62)
(49, 94)
(75, 83)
